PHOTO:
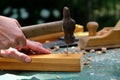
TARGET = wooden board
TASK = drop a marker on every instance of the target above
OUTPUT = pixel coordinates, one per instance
(110, 39)
(48, 62)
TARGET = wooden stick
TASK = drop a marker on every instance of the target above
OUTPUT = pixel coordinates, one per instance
(48, 62)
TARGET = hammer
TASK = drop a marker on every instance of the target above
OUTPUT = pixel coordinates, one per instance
(42, 29)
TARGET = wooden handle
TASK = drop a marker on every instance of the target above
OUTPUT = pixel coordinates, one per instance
(42, 29)
(92, 27)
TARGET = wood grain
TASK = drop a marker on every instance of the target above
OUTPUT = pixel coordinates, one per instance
(48, 62)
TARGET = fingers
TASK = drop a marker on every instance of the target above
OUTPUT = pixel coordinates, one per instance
(39, 49)
(36, 46)
(42, 50)
(13, 53)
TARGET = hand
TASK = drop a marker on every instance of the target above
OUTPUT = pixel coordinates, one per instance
(14, 53)
(33, 47)
(30, 45)
(10, 33)
(11, 36)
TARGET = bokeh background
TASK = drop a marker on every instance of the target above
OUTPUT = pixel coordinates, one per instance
(30, 12)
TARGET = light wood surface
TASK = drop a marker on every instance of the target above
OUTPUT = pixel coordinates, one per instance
(109, 39)
(47, 62)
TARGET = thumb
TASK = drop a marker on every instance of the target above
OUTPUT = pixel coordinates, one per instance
(13, 53)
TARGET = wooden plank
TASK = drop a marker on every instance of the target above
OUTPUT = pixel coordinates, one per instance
(48, 62)
(109, 39)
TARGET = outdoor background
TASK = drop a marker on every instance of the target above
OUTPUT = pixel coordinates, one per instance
(30, 12)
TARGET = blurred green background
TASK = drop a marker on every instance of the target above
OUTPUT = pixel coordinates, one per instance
(30, 12)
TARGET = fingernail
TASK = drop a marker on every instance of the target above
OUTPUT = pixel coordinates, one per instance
(27, 59)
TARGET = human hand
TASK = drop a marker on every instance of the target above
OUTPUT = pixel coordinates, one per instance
(10, 33)
(34, 47)
(30, 45)
(14, 53)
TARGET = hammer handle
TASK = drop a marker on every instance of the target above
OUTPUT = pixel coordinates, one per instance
(42, 29)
